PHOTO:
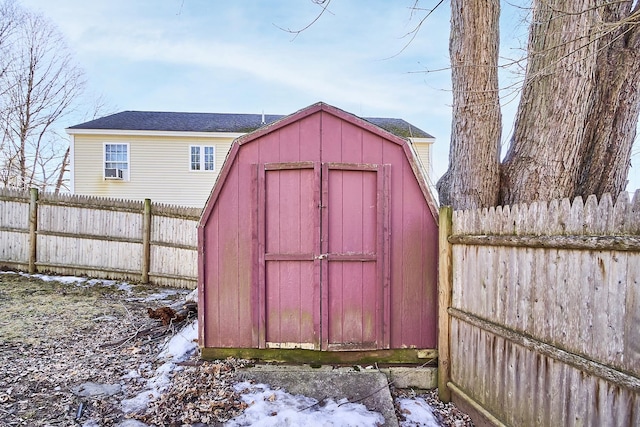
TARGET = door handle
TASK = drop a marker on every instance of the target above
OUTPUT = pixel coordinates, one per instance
(322, 256)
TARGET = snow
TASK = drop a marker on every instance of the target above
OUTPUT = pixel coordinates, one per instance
(192, 296)
(159, 296)
(277, 408)
(183, 344)
(179, 348)
(267, 407)
(163, 295)
(82, 281)
(417, 412)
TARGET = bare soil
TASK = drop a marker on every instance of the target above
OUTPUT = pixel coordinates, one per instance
(56, 337)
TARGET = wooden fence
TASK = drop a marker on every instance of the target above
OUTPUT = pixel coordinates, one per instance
(104, 238)
(540, 307)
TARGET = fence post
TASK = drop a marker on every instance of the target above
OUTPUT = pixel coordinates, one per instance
(146, 240)
(445, 279)
(33, 229)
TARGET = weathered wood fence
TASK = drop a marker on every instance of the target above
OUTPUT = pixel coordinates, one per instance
(541, 308)
(104, 238)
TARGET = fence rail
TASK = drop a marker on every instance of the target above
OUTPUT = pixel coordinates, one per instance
(106, 238)
(545, 312)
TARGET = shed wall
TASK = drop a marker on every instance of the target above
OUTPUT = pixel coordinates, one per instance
(229, 270)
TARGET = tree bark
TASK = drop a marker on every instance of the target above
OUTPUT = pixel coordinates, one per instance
(63, 169)
(473, 175)
(545, 152)
(577, 117)
(610, 128)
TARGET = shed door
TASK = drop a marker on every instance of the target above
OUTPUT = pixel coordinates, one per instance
(354, 229)
(291, 285)
(324, 231)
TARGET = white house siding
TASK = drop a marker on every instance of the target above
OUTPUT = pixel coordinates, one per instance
(158, 168)
(159, 165)
(422, 148)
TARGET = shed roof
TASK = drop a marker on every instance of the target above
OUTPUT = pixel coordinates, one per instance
(307, 111)
(220, 122)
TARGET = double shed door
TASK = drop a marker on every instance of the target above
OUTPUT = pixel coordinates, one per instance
(323, 256)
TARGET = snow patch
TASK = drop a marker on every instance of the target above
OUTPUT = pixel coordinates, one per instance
(162, 295)
(193, 296)
(179, 348)
(183, 344)
(139, 403)
(417, 412)
(271, 408)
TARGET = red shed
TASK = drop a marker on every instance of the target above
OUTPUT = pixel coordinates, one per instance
(319, 243)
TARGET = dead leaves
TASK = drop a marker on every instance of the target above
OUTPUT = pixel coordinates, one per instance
(49, 347)
(169, 315)
(165, 314)
(198, 394)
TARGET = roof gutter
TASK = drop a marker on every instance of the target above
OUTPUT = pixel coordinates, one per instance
(126, 132)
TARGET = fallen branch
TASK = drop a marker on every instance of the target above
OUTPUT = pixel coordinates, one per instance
(168, 315)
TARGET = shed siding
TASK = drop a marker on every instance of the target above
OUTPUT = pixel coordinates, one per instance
(233, 306)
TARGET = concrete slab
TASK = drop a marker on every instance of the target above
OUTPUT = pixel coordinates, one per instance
(368, 387)
(424, 378)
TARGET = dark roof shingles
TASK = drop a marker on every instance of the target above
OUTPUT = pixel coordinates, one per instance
(219, 122)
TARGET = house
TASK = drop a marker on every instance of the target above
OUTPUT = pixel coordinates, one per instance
(319, 244)
(174, 158)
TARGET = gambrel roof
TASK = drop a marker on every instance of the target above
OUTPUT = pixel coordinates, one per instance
(219, 122)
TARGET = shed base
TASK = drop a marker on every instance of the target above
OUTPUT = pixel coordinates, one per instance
(391, 356)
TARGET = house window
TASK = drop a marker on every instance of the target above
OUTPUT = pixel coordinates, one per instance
(202, 158)
(116, 161)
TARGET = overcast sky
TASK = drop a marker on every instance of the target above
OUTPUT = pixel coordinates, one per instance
(235, 56)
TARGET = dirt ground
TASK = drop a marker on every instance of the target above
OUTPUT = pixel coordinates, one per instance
(57, 338)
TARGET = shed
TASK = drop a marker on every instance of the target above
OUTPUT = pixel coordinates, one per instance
(319, 243)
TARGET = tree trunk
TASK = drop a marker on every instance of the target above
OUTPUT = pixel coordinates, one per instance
(611, 124)
(578, 112)
(545, 152)
(473, 175)
(39, 88)
(577, 117)
(63, 169)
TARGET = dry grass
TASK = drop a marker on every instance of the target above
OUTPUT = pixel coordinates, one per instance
(56, 336)
(32, 310)
(52, 339)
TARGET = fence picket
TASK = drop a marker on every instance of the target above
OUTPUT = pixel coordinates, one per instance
(99, 237)
(547, 298)
(591, 225)
(618, 223)
(634, 214)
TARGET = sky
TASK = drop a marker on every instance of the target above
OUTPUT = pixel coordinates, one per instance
(239, 57)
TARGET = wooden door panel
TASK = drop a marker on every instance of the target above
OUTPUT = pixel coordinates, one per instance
(290, 222)
(290, 210)
(352, 212)
(352, 230)
(289, 304)
(352, 308)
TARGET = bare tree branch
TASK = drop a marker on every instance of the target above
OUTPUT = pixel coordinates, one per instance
(38, 88)
(324, 4)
